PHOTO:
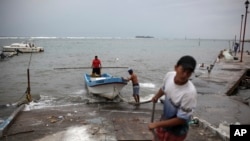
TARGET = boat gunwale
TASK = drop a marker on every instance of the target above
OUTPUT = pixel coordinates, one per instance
(93, 83)
(108, 83)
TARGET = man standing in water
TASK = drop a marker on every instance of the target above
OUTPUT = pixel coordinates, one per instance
(136, 87)
(96, 66)
(179, 104)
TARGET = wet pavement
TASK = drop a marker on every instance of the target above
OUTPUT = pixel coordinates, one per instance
(218, 107)
(92, 122)
(122, 121)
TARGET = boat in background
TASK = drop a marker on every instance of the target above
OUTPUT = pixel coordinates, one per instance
(23, 47)
(106, 85)
(7, 54)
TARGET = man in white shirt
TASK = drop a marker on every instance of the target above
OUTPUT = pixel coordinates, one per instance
(179, 104)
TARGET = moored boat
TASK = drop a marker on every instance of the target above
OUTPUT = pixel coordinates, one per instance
(106, 85)
(23, 47)
(7, 54)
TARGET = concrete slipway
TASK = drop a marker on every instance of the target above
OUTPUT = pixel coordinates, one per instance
(120, 121)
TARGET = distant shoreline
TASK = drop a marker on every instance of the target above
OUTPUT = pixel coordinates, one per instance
(144, 37)
(40, 37)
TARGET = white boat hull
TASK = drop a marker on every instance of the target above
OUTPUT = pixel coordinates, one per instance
(24, 50)
(22, 47)
(106, 85)
(109, 91)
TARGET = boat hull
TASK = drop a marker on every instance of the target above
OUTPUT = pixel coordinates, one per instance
(23, 47)
(109, 91)
(105, 86)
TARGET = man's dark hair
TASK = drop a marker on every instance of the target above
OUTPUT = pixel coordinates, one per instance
(187, 62)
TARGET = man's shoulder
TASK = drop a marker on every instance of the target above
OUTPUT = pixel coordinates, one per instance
(134, 75)
(169, 74)
(191, 86)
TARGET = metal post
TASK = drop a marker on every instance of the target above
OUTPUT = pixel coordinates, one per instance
(246, 4)
(240, 30)
(28, 95)
(234, 39)
(152, 120)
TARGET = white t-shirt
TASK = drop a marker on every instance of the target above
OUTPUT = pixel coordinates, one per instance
(180, 100)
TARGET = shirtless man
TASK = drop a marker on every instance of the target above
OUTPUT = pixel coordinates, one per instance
(136, 87)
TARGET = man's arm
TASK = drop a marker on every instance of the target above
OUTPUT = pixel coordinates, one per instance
(129, 78)
(100, 64)
(157, 95)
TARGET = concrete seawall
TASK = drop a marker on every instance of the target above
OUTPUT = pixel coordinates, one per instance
(218, 109)
(5, 125)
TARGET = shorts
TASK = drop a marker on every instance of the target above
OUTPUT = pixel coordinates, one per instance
(167, 136)
(136, 90)
(96, 70)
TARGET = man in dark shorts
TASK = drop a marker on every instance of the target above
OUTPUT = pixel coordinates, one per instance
(96, 66)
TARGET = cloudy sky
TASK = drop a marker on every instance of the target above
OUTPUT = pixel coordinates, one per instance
(217, 19)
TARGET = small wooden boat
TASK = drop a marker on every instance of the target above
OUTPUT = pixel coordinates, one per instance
(105, 85)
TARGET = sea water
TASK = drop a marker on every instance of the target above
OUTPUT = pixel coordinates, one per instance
(149, 58)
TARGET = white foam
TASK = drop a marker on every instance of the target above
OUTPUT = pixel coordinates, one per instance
(79, 92)
(43, 104)
(147, 85)
(26, 107)
(146, 98)
(45, 101)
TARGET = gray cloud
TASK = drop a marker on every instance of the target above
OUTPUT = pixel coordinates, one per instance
(122, 18)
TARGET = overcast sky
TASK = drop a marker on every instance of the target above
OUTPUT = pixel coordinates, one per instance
(217, 19)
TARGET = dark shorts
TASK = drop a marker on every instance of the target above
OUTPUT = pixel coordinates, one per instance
(96, 70)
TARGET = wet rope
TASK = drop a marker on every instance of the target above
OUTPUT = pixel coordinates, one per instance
(26, 94)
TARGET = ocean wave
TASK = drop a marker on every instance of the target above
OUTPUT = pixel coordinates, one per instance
(147, 85)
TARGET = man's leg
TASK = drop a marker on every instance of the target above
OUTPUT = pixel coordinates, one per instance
(98, 71)
(138, 98)
(137, 94)
(135, 98)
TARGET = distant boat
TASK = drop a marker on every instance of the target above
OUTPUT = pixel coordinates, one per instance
(106, 85)
(144, 37)
(7, 54)
(22, 47)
